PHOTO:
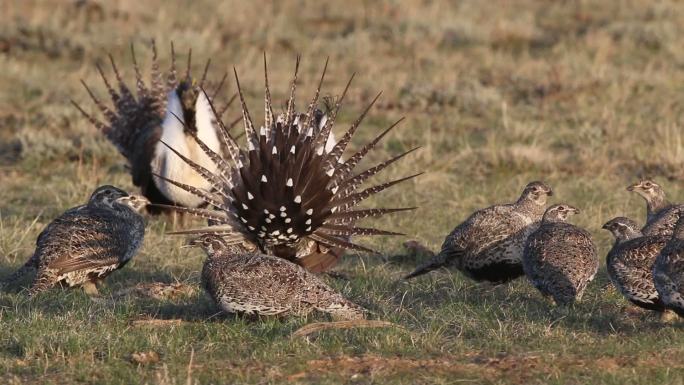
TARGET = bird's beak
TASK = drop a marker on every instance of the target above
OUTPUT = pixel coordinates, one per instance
(144, 201)
(190, 243)
(632, 187)
(605, 226)
(549, 193)
(575, 210)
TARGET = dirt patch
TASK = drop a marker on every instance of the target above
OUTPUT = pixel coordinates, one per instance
(372, 366)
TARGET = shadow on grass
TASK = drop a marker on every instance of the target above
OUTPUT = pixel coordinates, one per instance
(519, 303)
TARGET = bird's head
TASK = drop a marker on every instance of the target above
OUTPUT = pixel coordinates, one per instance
(106, 195)
(188, 93)
(135, 202)
(212, 243)
(648, 189)
(622, 228)
(536, 192)
(559, 213)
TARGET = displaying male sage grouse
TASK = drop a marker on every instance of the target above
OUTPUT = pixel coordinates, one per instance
(630, 263)
(289, 192)
(560, 258)
(660, 213)
(171, 112)
(668, 270)
(242, 280)
(488, 245)
(86, 243)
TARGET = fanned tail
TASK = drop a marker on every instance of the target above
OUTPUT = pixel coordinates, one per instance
(133, 120)
(290, 185)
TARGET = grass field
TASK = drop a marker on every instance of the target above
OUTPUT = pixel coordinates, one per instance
(586, 95)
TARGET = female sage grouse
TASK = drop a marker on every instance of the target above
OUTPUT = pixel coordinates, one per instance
(660, 213)
(488, 245)
(242, 280)
(290, 192)
(668, 270)
(560, 258)
(171, 113)
(88, 242)
(630, 263)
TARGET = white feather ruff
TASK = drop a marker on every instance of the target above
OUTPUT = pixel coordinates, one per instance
(169, 165)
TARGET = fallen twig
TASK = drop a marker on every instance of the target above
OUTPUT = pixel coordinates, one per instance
(157, 322)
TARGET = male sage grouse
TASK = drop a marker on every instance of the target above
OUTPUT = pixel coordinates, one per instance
(668, 270)
(660, 213)
(171, 111)
(290, 192)
(86, 243)
(560, 258)
(240, 279)
(630, 263)
(488, 245)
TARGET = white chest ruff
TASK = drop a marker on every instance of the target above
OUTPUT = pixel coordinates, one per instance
(169, 165)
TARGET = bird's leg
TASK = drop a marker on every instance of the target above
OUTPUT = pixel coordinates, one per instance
(90, 289)
(668, 316)
(178, 220)
(183, 220)
(99, 283)
(174, 219)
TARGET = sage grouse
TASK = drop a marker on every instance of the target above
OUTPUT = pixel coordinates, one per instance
(86, 243)
(488, 245)
(289, 192)
(560, 258)
(668, 270)
(630, 263)
(660, 213)
(242, 280)
(172, 113)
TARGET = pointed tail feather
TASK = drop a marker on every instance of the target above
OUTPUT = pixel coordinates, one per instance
(28, 267)
(320, 262)
(434, 263)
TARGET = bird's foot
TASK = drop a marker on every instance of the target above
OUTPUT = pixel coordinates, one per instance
(668, 316)
(90, 288)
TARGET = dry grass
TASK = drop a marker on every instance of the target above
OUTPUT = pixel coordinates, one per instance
(582, 94)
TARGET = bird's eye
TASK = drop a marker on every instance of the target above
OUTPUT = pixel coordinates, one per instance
(648, 185)
(561, 208)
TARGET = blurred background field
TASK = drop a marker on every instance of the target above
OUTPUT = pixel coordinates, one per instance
(586, 95)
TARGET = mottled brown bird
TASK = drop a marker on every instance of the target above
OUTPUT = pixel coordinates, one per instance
(668, 270)
(170, 111)
(660, 213)
(560, 258)
(240, 279)
(488, 245)
(291, 191)
(86, 243)
(630, 263)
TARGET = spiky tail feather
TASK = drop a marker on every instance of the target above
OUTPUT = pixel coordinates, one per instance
(133, 122)
(290, 184)
(435, 262)
(29, 266)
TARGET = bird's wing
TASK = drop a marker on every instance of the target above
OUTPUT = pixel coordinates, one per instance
(82, 239)
(663, 222)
